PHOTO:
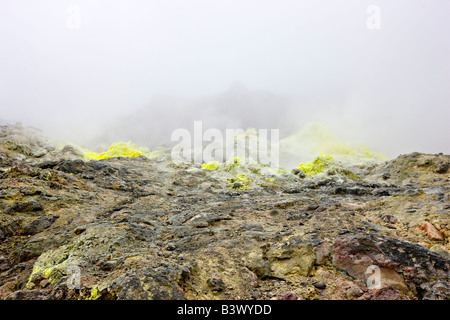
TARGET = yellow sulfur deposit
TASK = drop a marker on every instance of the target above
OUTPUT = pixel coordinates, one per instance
(239, 182)
(311, 168)
(237, 160)
(215, 165)
(212, 165)
(119, 149)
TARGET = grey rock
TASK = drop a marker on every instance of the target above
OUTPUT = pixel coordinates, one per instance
(39, 224)
(439, 290)
(319, 285)
(442, 167)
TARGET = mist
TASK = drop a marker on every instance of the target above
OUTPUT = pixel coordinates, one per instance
(95, 72)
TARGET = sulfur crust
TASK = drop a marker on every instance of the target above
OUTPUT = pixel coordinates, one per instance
(119, 149)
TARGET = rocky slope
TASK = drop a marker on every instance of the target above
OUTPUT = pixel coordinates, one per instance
(138, 228)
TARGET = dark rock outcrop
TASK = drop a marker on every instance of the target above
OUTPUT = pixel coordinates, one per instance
(404, 265)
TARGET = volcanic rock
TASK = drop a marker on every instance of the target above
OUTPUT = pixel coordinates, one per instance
(147, 228)
(402, 264)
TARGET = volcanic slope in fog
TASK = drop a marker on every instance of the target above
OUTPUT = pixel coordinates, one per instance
(236, 108)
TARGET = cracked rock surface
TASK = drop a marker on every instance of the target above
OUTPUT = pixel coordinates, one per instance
(138, 228)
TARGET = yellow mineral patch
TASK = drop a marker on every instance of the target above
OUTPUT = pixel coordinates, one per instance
(119, 149)
(233, 162)
(311, 168)
(211, 165)
(94, 292)
(239, 182)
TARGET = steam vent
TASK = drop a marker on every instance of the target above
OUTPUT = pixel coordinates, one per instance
(128, 223)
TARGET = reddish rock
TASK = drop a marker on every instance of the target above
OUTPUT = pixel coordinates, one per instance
(190, 181)
(290, 296)
(401, 264)
(389, 218)
(44, 283)
(431, 231)
(322, 251)
(386, 293)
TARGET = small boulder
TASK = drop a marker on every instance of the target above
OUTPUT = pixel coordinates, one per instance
(319, 285)
(431, 231)
(389, 219)
(442, 167)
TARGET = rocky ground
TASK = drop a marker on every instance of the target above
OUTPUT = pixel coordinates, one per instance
(139, 228)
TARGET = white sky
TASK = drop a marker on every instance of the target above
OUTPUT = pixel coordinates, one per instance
(392, 83)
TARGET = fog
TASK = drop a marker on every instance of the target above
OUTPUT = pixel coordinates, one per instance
(94, 72)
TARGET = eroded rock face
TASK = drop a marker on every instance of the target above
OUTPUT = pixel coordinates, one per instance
(139, 228)
(290, 259)
(283, 260)
(403, 265)
(158, 283)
